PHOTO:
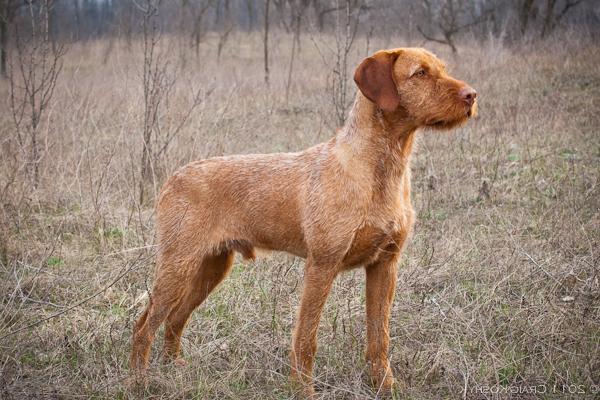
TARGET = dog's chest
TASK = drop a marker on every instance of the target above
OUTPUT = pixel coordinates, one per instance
(372, 240)
(385, 224)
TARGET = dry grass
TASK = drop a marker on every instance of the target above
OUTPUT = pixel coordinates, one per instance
(498, 288)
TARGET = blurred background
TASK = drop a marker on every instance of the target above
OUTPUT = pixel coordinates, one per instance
(437, 20)
(101, 101)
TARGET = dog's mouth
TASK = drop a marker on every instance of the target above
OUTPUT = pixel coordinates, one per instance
(472, 111)
(461, 118)
(437, 124)
(444, 125)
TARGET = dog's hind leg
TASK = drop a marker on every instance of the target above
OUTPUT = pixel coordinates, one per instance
(166, 295)
(212, 269)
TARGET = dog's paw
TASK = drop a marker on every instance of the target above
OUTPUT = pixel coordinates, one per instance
(305, 392)
(382, 377)
(137, 380)
(180, 362)
(175, 361)
(384, 385)
(303, 388)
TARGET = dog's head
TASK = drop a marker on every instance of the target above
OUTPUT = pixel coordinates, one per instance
(415, 82)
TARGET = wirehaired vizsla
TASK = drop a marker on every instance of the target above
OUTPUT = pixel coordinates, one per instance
(340, 204)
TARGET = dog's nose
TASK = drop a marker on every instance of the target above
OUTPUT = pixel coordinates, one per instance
(468, 95)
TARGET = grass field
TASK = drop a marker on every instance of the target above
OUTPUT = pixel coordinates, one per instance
(499, 286)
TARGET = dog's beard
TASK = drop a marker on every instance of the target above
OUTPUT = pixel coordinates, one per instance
(472, 113)
(461, 117)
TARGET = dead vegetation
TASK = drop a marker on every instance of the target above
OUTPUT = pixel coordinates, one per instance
(498, 288)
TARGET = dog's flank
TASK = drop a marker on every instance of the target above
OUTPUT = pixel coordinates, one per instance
(340, 204)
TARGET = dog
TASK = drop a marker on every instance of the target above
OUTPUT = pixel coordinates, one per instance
(341, 204)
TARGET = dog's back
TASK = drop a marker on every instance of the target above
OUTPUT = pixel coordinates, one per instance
(253, 199)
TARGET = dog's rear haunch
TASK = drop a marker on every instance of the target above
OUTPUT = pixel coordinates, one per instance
(340, 204)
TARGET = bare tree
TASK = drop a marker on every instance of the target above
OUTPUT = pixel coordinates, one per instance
(33, 76)
(4, 19)
(525, 11)
(266, 41)
(345, 33)
(158, 80)
(280, 7)
(227, 26)
(346, 28)
(8, 9)
(251, 13)
(197, 10)
(550, 12)
(553, 16)
(323, 9)
(449, 17)
(298, 8)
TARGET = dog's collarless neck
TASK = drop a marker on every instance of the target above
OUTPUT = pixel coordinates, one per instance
(376, 143)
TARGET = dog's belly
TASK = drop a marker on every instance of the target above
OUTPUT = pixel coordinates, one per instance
(273, 228)
(290, 242)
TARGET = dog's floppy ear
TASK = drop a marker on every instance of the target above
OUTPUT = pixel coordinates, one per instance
(375, 80)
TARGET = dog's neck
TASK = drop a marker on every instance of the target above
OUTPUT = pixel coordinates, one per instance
(377, 142)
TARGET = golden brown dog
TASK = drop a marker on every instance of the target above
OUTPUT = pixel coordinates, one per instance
(340, 204)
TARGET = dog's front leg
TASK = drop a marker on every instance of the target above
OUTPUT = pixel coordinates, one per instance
(317, 284)
(381, 283)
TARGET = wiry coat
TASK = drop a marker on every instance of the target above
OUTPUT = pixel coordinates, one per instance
(322, 202)
(340, 204)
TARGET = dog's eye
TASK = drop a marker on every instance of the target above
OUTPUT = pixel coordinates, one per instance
(419, 73)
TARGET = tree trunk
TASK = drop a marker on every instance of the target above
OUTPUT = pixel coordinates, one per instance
(524, 14)
(198, 33)
(35, 158)
(266, 41)
(227, 28)
(3, 38)
(295, 40)
(251, 17)
(548, 18)
(146, 166)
